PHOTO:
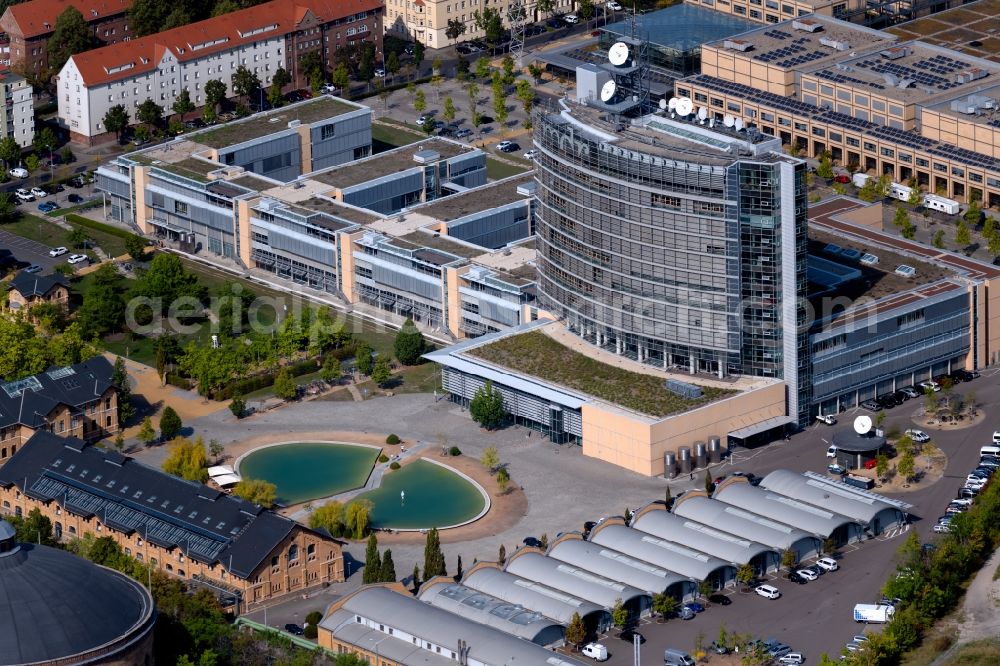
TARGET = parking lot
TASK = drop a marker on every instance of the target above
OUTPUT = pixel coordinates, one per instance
(28, 251)
(816, 617)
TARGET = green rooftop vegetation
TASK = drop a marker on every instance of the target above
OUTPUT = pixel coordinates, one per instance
(277, 120)
(538, 355)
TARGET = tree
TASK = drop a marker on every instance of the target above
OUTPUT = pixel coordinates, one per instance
(455, 29)
(208, 114)
(215, 93)
(491, 23)
(585, 9)
(388, 571)
(33, 528)
(146, 433)
(880, 418)
(126, 410)
(45, 140)
(503, 479)
(183, 103)
(483, 69)
(215, 449)
(373, 562)
(70, 36)
(869, 191)
(536, 71)
(364, 359)
(993, 243)
(576, 631)
(709, 485)
(238, 406)
(502, 555)
(825, 168)
(938, 239)
(906, 465)
(458, 568)
(245, 83)
(526, 94)
(881, 465)
(8, 209)
(340, 78)
(284, 386)
(381, 373)
(357, 518)
(619, 614)
(418, 54)
(409, 344)
(962, 235)
(973, 213)
(916, 196)
(170, 424)
(10, 151)
(745, 575)
(545, 6)
(257, 491)
(500, 109)
(490, 458)
(788, 559)
(508, 70)
(331, 369)
(149, 112)
(434, 564)
(420, 102)
(366, 68)
(900, 218)
(188, 460)
(330, 517)
(664, 605)
(416, 577)
(448, 113)
(119, 440)
(32, 163)
(281, 78)
(487, 408)
(116, 120)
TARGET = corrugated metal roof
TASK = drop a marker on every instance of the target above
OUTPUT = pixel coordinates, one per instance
(680, 558)
(740, 522)
(833, 496)
(553, 603)
(572, 579)
(616, 565)
(705, 538)
(483, 608)
(812, 519)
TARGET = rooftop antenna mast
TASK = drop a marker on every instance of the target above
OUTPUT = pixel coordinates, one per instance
(516, 16)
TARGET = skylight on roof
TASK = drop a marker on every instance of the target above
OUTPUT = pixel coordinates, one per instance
(60, 373)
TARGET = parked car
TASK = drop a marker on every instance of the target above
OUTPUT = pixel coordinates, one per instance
(18, 172)
(791, 659)
(530, 154)
(871, 406)
(808, 574)
(901, 396)
(571, 19)
(941, 529)
(33, 268)
(613, 6)
(294, 629)
(718, 648)
(685, 613)
(75, 198)
(828, 419)
(23, 195)
(930, 384)
(595, 651)
(779, 650)
(827, 563)
(964, 375)
(720, 599)
(767, 591)
(380, 73)
(47, 206)
(794, 577)
(918, 436)
(842, 178)
(910, 391)
(836, 469)
(57, 251)
(695, 606)
(77, 258)
(462, 133)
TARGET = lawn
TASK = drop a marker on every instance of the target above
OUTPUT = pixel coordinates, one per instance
(37, 229)
(537, 354)
(386, 137)
(497, 170)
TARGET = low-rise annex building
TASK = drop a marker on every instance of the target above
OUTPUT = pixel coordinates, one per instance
(385, 625)
(244, 553)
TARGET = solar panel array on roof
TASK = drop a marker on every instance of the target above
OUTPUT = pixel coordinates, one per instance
(843, 78)
(901, 137)
(929, 71)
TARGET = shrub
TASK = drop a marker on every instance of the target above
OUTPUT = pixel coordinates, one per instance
(98, 226)
(314, 618)
(180, 382)
(454, 451)
(310, 631)
(383, 458)
(263, 380)
(394, 465)
(392, 439)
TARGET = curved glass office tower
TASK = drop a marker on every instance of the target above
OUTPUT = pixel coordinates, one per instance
(675, 244)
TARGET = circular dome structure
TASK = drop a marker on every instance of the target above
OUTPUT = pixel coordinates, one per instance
(57, 607)
(848, 440)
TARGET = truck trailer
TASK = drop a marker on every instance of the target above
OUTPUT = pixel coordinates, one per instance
(872, 613)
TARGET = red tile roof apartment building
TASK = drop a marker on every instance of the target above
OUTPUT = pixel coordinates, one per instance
(30, 24)
(262, 38)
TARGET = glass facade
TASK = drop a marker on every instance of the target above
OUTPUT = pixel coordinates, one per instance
(674, 261)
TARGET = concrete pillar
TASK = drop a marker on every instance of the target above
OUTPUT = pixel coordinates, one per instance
(666, 362)
(618, 346)
(691, 364)
(721, 370)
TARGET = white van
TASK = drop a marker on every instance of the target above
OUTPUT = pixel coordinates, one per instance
(672, 657)
(596, 651)
(990, 450)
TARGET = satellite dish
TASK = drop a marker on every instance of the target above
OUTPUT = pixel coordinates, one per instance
(672, 104)
(618, 54)
(863, 424)
(684, 107)
(702, 114)
(711, 122)
(663, 105)
(729, 120)
(738, 123)
(608, 91)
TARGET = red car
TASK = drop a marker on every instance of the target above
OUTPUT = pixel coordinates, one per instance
(842, 178)
(870, 464)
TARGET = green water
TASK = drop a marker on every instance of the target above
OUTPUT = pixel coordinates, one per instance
(306, 471)
(435, 497)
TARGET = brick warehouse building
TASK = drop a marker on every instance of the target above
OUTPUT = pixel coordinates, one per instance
(261, 38)
(29, 25)
(74, 401)
(243, 552)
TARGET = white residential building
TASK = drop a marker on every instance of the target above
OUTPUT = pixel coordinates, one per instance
(17, 114)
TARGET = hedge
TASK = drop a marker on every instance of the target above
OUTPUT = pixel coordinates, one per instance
(180, 382)
(98, 226)
(396, 86)
(257, 382)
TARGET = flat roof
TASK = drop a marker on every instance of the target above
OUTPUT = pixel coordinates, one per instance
(262, 124)
(683, 27)
(973, 29)
(436, 241)
(929, 72)
(539, 355)
(344, 212)
(476, 200)
(788, 46)
(978, 106)
(387, 163)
